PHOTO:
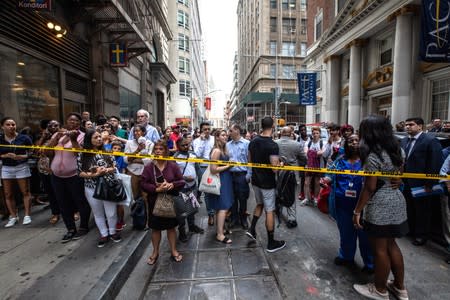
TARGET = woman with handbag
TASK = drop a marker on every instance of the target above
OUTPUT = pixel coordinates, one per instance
(223, 202)
(91, 168)
(344, 195)
(162, 180)
(314, 150)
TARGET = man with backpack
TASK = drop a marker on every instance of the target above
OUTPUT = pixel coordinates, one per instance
(294, 155)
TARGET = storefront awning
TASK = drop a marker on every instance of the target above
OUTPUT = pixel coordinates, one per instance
(264, 97)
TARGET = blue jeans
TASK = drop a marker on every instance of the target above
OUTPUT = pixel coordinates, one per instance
(209, 210)
(349, 235)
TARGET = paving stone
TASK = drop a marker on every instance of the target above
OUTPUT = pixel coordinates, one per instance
(249, 262)
(168, 270)
(222, 290)
(168, 291)
(257, 288)
(213, 264)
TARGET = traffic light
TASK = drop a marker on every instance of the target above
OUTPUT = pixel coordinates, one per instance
(195, 102)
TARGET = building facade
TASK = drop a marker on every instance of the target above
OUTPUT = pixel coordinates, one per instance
(369, 54)
(186, 51)
(57, 60)
(271, 48)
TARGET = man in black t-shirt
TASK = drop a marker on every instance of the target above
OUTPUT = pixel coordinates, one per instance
(264, 150)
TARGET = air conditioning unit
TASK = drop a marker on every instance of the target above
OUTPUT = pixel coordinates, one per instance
(293, 30)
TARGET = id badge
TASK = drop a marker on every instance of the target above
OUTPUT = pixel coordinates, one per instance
(350, 193)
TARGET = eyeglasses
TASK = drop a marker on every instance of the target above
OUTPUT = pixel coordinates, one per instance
(206, 129)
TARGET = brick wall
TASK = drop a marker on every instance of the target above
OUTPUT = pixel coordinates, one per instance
(314, 7)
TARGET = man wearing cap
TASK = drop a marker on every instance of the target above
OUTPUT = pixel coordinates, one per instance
(175, 135)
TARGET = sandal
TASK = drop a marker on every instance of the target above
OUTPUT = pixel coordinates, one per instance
(152, 260)
(177, 258)
(225, 240)
(54, 219)
(227, 231)
(76, 216)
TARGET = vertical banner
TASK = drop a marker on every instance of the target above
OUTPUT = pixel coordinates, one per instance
(118, 55)
(434, 37)
(307, 88)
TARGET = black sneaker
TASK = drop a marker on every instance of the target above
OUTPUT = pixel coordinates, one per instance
(80, 233)
(275, 246)
(68, 237)
(102, 242)
(291, 224)
(196, 229)
(115, 237)
(251, 234)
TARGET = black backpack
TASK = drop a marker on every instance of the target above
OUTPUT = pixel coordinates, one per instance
(139, 214)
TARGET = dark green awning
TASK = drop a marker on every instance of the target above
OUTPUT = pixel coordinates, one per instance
(260, 97)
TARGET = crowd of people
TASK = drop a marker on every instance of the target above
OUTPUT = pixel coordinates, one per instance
(370, 211)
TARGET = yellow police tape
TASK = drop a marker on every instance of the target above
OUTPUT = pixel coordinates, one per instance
(241, 164)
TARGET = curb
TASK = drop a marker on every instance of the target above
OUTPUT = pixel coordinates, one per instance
(109, 284)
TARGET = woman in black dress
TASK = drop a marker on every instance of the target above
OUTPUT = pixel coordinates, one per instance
(162, 176)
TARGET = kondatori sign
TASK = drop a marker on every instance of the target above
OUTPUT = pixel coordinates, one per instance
(35, 4)
(435, 35)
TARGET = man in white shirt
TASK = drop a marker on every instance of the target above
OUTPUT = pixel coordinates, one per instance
(202, 148)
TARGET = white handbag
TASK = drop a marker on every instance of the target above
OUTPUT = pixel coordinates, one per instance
(126, 182)
(210, 183)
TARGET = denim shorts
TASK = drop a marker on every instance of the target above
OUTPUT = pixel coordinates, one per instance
(16, 172)
(265, 197)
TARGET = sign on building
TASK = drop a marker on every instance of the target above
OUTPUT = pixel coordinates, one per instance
(118, 54)
(307, 88)
(35, 4)
(435, 36)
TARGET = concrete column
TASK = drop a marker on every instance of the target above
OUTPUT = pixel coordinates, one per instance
(354, 95)
(401, 85)
(333, 83)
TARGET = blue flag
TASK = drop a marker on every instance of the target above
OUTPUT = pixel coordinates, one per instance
(435, 35)
(307, 88)
(118, 55)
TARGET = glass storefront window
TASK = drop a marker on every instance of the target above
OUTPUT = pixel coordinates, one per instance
(29, 89)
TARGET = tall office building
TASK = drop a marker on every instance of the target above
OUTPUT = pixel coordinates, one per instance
(271, 47)
(186, 104)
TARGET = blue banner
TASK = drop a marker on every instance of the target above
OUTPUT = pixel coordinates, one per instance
(434, 39)
(307, 88)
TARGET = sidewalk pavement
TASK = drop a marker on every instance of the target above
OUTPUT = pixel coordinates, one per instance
(36, 265)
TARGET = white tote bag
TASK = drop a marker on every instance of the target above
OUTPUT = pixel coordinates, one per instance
(210, 183)
(126, 182)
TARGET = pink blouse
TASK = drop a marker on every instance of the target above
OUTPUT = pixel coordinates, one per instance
(64, 163)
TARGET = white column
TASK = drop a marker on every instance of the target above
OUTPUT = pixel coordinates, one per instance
(354, 95)
(401, 84)
(333, 83)
(310, 114)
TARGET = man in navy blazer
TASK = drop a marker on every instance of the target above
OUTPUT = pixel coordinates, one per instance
(423, 155)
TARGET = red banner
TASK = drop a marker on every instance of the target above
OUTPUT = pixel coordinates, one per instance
(208, 103)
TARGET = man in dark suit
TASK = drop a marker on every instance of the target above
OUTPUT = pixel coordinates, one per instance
(423, 155)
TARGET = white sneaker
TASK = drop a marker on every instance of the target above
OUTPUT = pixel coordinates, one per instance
(399, 294)
(304, 202)
(11, 222)
(369, 291)
(26, 220)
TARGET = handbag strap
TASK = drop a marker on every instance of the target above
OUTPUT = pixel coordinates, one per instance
(185, 166)
(154, 172)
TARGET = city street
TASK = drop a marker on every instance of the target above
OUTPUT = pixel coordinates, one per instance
(37, 266)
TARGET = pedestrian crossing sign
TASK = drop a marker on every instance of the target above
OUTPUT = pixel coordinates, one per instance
(118, 54)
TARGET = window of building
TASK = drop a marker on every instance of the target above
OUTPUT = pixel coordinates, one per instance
(129, 104)
(273, 4)
(273, 70)
(185, 2)
(339, 4)
(184, 65)
(303, 49)
(288, 4)
(183, 42)
(288, 49)
(185, 88)
(273, 47)
(440, 99)
(386, 50)
(303, 26)
(273, 24)
(318, 26)
(303, 4)
(288, 25)
(183, 19)
(288, 71)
